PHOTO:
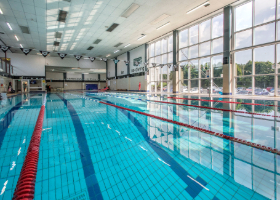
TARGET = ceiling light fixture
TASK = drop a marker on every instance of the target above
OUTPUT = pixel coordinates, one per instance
(160, 18)
(204, 4)
(142, 37)
(108, 55)
(16, 38)
(86, 58)
(85, 73)
(163, 25)
(116, 51)
(131, 9)
(126, 45)
(21, 45)
(1, 12)
(9, 26)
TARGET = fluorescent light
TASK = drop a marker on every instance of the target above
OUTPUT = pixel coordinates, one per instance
(142, 37)
(20, 45)
(85, 73)
(116, 51)
(1, 12)
(16, 38)
(126, 45)
(74, 68)
(160, 18)
(197, 7)
(86, 58)
(9, 26)
(163, 25)
(108, 55)
(131, 9)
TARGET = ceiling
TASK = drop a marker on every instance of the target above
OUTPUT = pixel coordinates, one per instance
(74, 70)
(87, 20)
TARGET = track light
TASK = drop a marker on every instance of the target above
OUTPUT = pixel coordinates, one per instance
(204, 4)
(9, 26)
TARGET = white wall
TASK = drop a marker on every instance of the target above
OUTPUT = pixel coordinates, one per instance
(111, 68)
(91, 76)
(121, 65)
(102, 76)
(54, 76)
(139, 52)
(73, 75)
(34, 65)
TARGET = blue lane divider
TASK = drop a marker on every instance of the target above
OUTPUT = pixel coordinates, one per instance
(195, 185)
(89, 172)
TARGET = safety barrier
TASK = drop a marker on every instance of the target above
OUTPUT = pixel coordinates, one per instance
(252, 104)
(269, 149)
(26, 183)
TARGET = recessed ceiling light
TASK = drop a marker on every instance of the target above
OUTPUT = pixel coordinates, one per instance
(21, 45)
(108, 55)
(126, 45)
(205, 3)
(9, 26)
(1, 12)
(16, 38)
(163, 25)
(116, 51)
(131, 9)
(142, 37)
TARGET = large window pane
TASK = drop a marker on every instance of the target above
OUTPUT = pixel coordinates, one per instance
(204, 49)
(184, 37)
(183, 54)
(264, 34)
(278, 56)
(164, 46)
(263, 85)
(194, 35)
(170, 57)
(217, 45)
(158, 60)
(164, 72)
(217, 86)
(243, 62)
(205, 85)
(243, 39)
(158, 50)
(243, 16)
(204, 31)
(185, 86)
(194, 51)
(217, 26)
(185, 70)
(217, 63)
(194, 69)
(170, 43)
(243, 85)
(194, 86)
(264, 59)
(152, 50)
(151, 60)
(164, 59)
(264, 11)
(204, 66)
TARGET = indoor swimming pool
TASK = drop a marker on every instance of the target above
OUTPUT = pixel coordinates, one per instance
(134, 146)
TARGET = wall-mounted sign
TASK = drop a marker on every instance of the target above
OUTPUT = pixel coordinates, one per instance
(137, 65)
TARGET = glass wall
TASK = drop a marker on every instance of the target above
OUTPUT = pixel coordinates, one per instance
(161, 54)
(200, 56)
(255, 36)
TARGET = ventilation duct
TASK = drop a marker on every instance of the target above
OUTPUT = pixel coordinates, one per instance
(112, 27)
(97, 41)
(62, 16)
(24, 29)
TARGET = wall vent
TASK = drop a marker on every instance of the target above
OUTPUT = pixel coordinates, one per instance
(119, 44)
(24, 29)
(112, 27)
(90, 48)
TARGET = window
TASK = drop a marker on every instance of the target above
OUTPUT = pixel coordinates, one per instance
(160, 53)
(255, 69)
(200, 52)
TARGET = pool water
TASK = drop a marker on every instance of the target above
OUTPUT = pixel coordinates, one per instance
(90, 150)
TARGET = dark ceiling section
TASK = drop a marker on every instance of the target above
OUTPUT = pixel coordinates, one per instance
(112, 27)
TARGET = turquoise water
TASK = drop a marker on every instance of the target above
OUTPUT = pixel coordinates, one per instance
(91, 150)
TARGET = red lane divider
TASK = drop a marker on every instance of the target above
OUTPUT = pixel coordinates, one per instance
(210, 108)
(26, 183)
(256, 104)
(259, 146)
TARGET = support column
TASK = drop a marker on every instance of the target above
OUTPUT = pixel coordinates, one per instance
(175, 74)
(128, 65)
(116, 68)
(227, 61)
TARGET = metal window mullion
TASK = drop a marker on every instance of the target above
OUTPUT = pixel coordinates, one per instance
(253, 50)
